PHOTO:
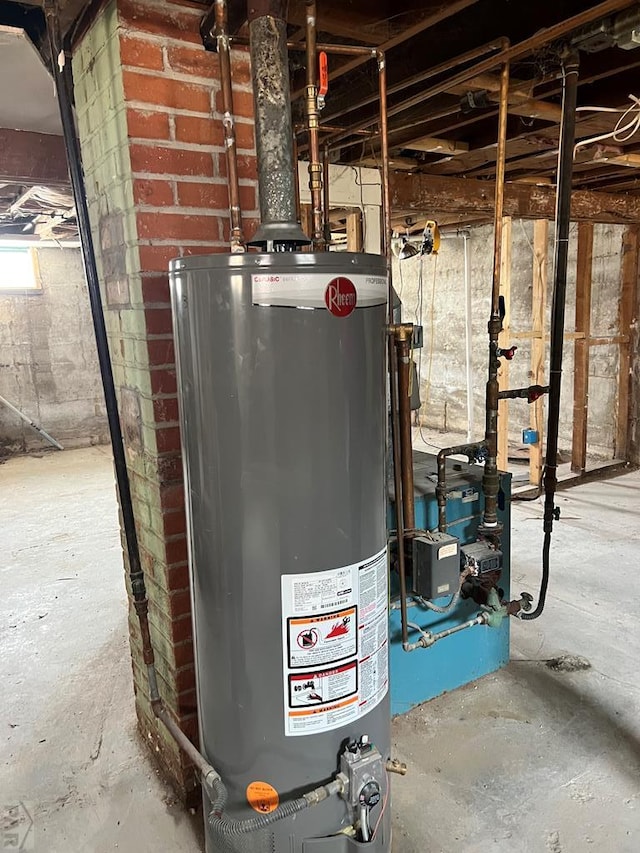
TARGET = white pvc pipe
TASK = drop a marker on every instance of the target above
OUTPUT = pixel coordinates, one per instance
(32, 424)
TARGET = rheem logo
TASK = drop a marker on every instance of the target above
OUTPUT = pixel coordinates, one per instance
(340, 297)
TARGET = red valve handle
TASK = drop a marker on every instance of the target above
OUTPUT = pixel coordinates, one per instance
(508, 353)
(323, 77)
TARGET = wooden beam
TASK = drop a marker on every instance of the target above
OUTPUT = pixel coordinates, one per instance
(342, 20)
(632, 161)
(402, 164)
(354, 231)
(32, 158)
(430, 195)
(520, 101)
(538, 315)
(504, 342)
(626, 305)
(581, 348)
(434, 145)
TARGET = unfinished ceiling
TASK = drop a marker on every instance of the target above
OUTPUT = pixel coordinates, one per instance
(443, 77)
(35, 198)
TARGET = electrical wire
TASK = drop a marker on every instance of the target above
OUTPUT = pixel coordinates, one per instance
(431, 341)
(385, 800)
(626, 127)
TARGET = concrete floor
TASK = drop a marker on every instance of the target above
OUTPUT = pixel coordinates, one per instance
(525, 760)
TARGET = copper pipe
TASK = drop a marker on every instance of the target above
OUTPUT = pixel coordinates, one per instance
(296, 177)
(491, 477)
(384, 142)
(503, 115)
(313, 116)
(326, 200)
(434, 71)
(329, 128)
(416, 100)
(397, 482)
(509, 54)
(337, 49)
(402, 339)
(392, 356)
(235, 213)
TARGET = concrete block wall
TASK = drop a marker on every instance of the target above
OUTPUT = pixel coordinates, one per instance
(441, 310)
(48, 361)
(148, 107)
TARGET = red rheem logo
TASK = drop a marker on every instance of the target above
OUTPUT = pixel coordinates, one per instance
(340, 296)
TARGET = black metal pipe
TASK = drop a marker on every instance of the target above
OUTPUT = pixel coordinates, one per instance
(531, 393)
(63, 88)
(561, 256)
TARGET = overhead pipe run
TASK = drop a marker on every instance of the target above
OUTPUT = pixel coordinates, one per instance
(509, 53)
(561, 258)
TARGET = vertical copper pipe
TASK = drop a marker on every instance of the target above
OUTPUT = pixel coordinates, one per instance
(326, 199)
(392, 356)
(403, 357)
(384, 148)
(397, 488)
(491, 477)
(313, 125)
(296, 177)
(499, 197)
(224, 52)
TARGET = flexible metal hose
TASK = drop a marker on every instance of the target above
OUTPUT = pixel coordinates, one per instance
(228, 828)
(542, 595)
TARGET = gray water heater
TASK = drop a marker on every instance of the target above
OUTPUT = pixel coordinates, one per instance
(281, 365)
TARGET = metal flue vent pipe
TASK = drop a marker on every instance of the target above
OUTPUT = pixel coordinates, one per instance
(273, 126)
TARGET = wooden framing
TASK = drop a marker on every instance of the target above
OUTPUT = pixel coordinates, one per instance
(417, 194)
(354, 231)
(538, 313)
(581, 347)
(504, 342)
(626, 305)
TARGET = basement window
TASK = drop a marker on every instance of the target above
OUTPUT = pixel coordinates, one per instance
(19, 270)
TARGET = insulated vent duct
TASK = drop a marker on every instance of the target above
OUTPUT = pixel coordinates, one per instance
(279, 230)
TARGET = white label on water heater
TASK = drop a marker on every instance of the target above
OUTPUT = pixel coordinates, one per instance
(335, 645)
(339, 294)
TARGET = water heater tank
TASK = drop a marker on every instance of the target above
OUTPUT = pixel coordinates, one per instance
(283, 410)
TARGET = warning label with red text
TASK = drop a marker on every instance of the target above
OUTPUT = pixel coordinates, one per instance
(317, 640)
(312, 689)
(335, 644)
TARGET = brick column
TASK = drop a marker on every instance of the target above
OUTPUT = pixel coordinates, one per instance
(147, 100)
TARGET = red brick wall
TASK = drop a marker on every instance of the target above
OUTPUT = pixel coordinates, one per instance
(141, 66)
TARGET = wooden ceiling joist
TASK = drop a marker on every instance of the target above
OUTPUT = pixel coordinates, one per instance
(427, 195)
